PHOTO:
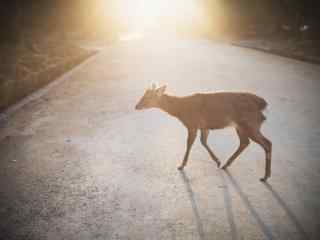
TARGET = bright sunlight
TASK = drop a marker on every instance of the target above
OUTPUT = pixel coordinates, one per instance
(142, 16)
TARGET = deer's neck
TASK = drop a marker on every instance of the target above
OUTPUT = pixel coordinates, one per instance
(170, 104)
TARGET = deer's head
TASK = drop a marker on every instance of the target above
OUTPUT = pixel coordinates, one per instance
(151, 97)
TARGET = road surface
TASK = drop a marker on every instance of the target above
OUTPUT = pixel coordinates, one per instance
(78, 162)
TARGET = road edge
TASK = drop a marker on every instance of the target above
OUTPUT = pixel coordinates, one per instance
(6, 113)
(277, 53)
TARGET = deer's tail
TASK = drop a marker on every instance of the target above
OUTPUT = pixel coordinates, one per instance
(260, 103)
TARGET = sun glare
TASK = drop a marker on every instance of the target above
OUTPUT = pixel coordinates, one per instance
(142, 16)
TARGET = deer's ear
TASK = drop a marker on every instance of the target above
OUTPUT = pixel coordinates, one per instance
(161, 90)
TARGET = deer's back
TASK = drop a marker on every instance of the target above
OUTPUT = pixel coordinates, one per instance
(218, 110)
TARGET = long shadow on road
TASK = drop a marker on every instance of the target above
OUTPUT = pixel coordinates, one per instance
(264, 228)
(288, 211)
(225, 178)
(229, 210)
(194, 206)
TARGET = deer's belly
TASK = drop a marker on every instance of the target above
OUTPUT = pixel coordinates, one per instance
(216, 124)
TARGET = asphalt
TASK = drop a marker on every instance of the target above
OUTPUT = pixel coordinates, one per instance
(78, 162)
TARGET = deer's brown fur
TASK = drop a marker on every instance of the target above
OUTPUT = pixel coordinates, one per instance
(206, 111)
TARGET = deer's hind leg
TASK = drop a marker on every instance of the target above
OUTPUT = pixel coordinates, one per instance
(244, 142)
(266, 144)
(254, 133)
(204, 138)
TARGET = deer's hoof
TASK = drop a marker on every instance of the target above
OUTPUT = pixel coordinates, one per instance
(180, 168)
(266, 176)
(224, 167)
(264, 179)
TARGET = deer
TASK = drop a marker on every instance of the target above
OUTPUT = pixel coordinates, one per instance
(214, 110)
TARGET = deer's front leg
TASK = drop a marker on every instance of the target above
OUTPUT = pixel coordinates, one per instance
(192, 133)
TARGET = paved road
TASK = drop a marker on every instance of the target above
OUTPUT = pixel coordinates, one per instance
(79, 162)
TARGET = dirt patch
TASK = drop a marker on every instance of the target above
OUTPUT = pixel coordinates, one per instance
(26, 67)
